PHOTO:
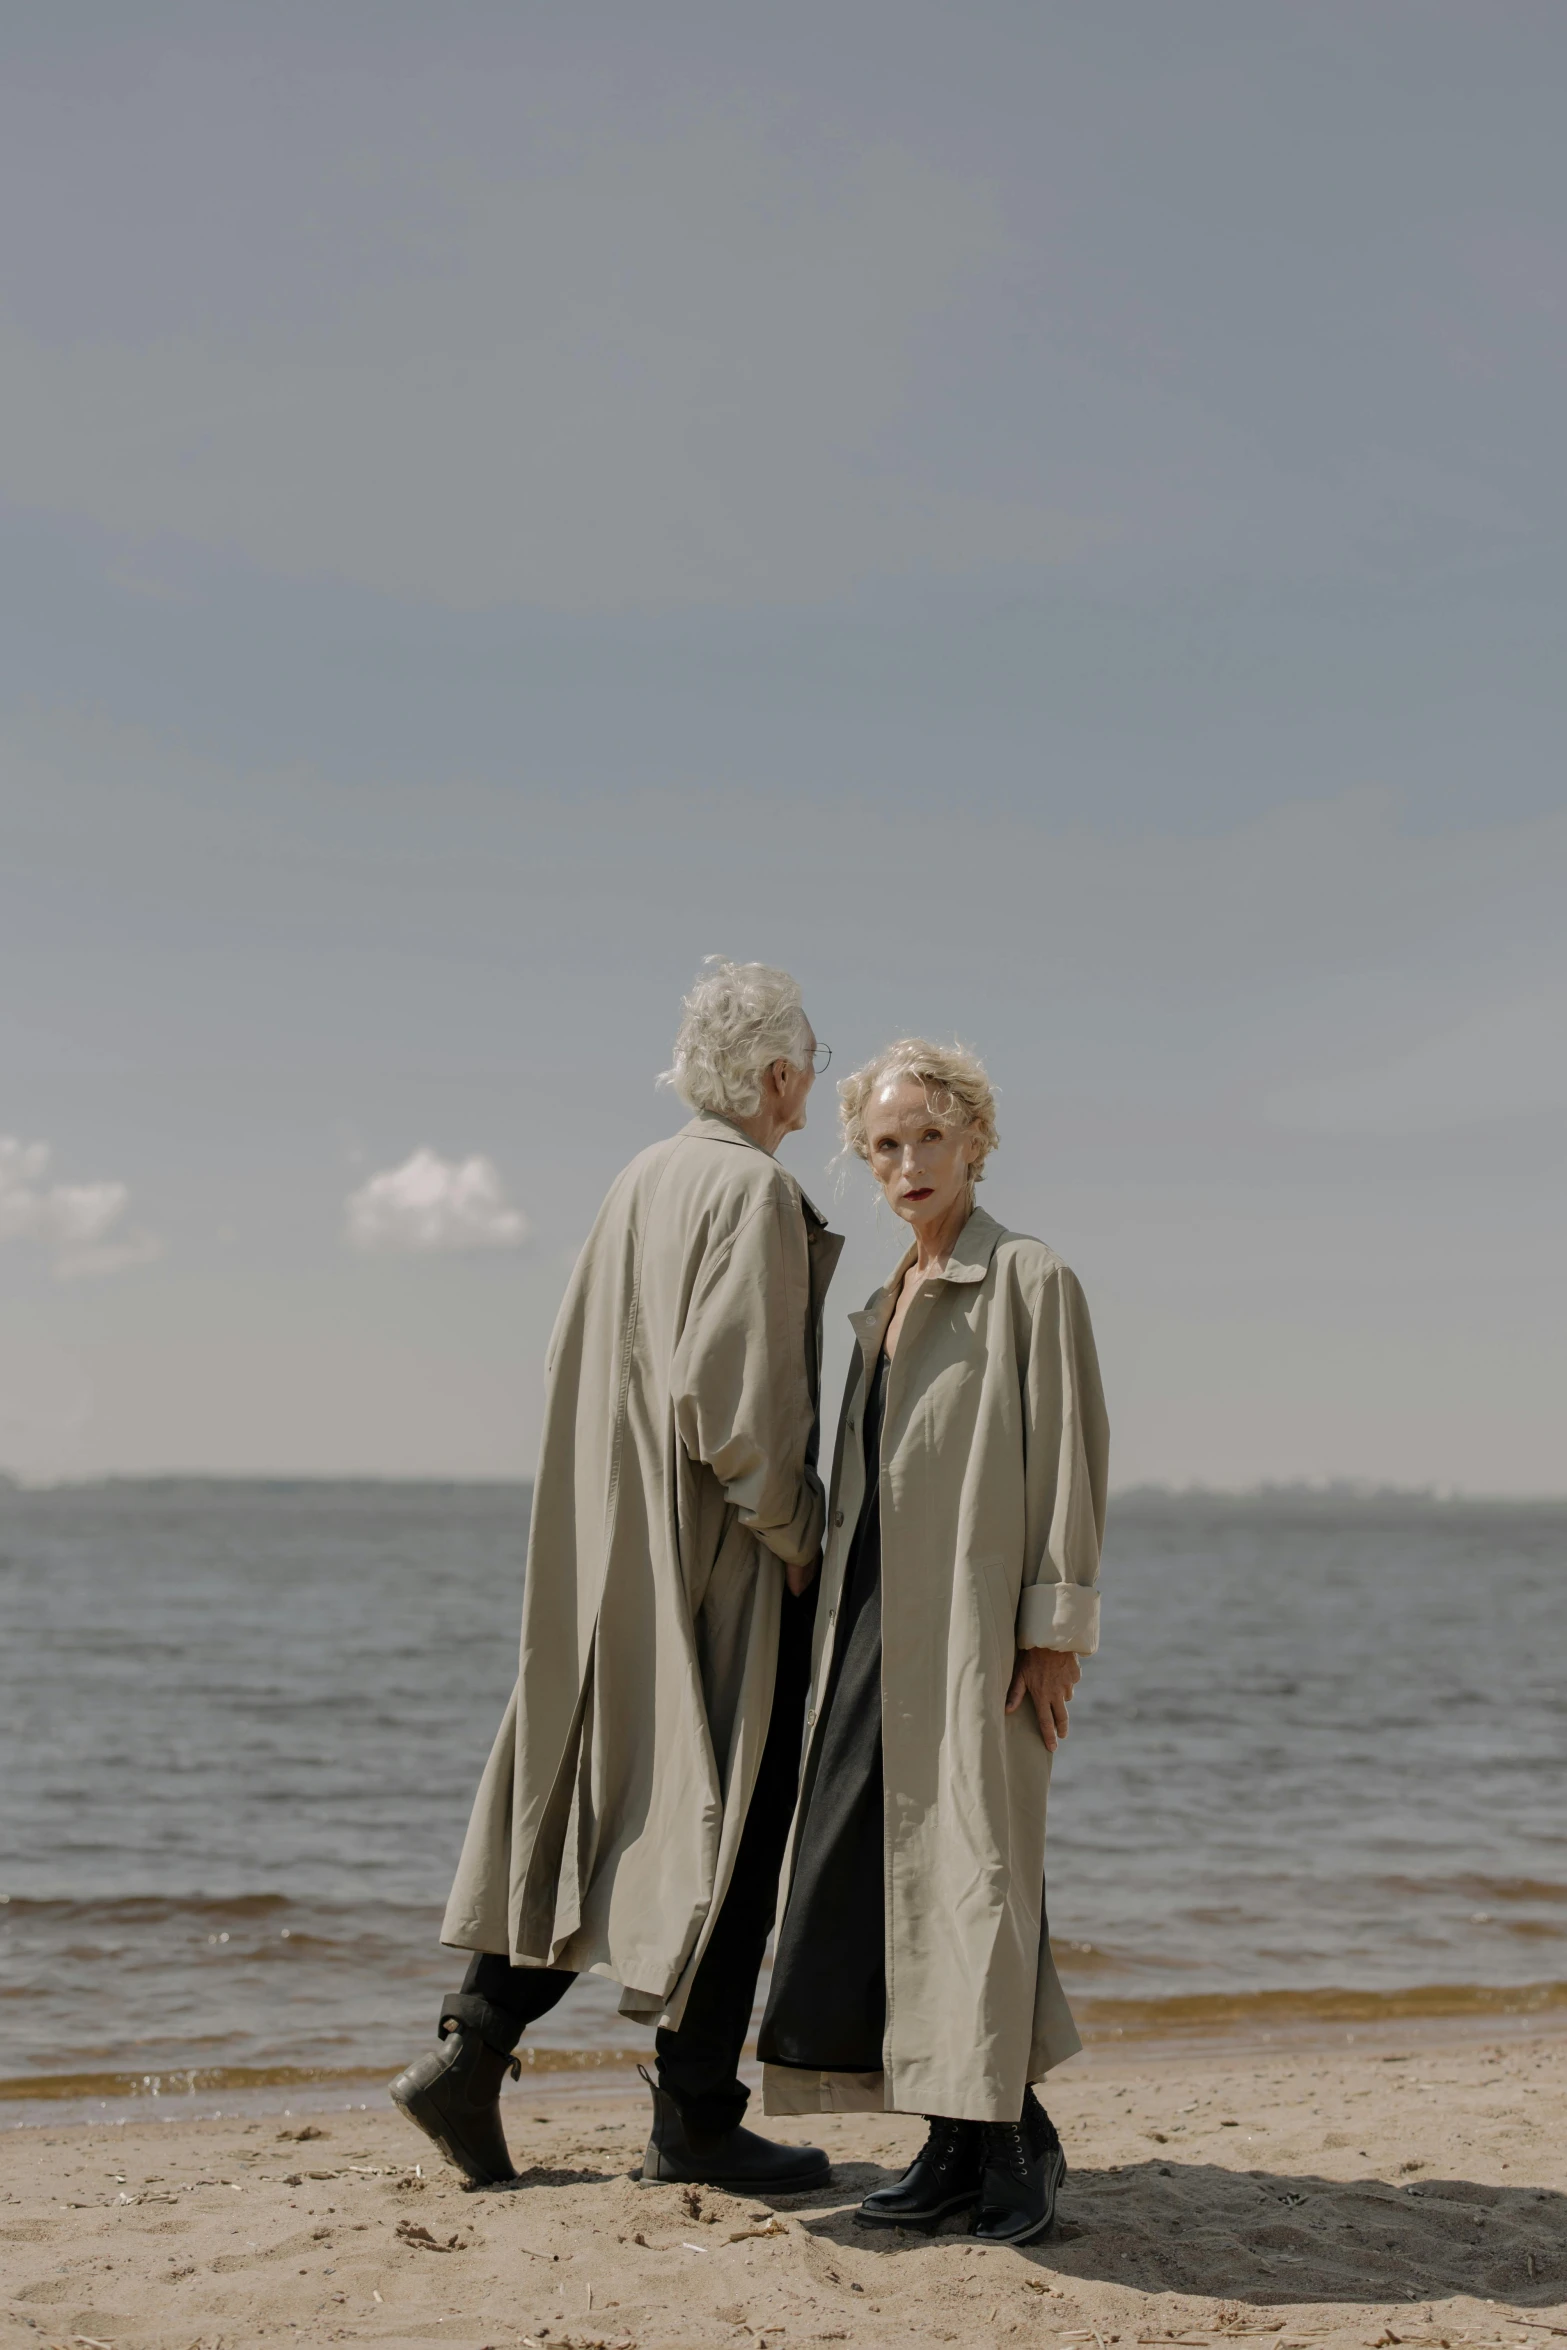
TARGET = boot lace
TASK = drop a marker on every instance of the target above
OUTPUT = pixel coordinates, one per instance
(943, 2143)
(1007, 2149)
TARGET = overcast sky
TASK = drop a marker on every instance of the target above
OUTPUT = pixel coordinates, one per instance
(1048, 520)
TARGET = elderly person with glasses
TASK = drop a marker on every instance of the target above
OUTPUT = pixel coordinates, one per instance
(959, 1588)
(633, 1815)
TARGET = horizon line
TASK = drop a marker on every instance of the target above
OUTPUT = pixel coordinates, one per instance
(1277, 1489)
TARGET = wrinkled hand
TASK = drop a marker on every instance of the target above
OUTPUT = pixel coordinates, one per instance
(1048, 1676)
(801, 1578)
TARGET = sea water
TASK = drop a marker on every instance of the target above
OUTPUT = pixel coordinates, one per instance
(1319, 1769)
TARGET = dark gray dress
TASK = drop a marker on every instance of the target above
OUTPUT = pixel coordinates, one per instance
(827, 2008)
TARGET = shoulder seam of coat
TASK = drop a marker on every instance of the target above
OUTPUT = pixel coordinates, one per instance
(1054, 1261)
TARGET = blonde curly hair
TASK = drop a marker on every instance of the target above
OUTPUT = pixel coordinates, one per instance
(956, 1086)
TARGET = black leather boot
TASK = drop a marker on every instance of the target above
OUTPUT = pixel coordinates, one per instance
(943, 2178)
(453, 2091)
(1024, 2167)
(680, 2155)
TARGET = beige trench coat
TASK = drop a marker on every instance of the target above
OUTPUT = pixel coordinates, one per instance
(994, 1454)
(676, 1478)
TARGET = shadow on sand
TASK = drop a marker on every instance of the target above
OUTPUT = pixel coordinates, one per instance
(1267, 2236)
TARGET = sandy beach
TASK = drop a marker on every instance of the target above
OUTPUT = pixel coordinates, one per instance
(1411, 2191)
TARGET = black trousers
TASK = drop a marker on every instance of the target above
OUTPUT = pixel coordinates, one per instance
(699, 2064)
(827, 2004)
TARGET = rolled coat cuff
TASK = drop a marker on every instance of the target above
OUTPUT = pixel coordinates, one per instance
(800, 1542)
(1059, 1615)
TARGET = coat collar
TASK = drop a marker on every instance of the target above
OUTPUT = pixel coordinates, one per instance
(973, 1249)
(708, 1126)
(713, 1128)
(969, 1262)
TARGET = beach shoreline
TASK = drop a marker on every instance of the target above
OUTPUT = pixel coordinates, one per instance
(555, 2074)
(1409, 2188)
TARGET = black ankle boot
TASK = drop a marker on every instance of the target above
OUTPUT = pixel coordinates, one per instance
(681, 2155)
(1024, 2167)
(453, 2092)
(943, 2178)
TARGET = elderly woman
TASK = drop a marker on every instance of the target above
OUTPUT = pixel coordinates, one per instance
(913, 1968)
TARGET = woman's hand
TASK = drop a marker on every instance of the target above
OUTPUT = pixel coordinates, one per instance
(1048, 1676)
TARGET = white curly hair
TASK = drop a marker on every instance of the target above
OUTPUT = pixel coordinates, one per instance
(737, 1020)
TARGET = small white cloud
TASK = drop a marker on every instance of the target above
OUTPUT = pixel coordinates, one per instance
(80, 1225)
(430, 1203)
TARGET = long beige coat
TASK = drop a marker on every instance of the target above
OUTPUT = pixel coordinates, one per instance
(676, 1478)
(994, 1453)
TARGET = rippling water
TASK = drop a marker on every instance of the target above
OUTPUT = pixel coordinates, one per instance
(1320, 1769)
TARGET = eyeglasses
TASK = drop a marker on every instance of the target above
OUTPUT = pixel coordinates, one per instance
(820, 1059)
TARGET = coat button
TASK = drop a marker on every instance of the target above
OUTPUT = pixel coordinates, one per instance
(838, 1518)
(810, 1719)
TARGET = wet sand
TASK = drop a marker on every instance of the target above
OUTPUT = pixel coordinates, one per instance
(1408, 2192)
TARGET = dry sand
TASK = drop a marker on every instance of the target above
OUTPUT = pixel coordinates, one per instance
(1411, 2192)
